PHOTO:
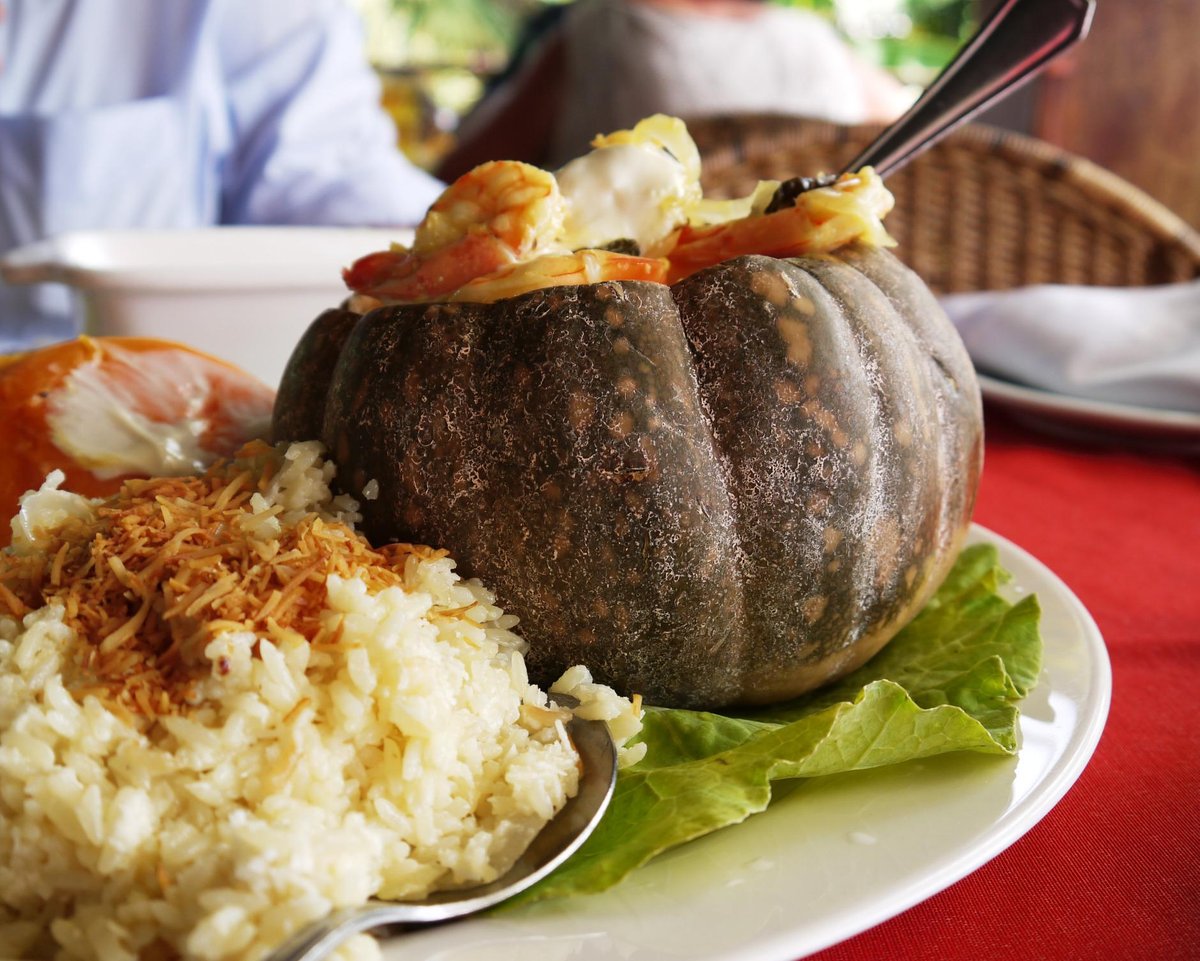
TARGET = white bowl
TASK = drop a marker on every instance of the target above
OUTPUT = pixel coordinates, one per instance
(245, 294)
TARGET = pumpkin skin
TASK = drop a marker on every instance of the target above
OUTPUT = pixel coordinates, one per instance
(726, 492)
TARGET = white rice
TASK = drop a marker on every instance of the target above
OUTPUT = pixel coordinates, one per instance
(408, 757)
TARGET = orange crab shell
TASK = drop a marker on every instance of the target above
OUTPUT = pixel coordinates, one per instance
(226, 400)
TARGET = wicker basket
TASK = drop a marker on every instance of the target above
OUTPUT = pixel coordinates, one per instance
(984, 209)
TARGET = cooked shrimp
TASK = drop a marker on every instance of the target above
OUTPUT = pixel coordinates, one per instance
(516, 203)
(506, 227)
(495, 215)
(558, 270)
(822, 219)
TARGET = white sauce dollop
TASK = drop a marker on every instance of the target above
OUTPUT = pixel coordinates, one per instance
(626, 191)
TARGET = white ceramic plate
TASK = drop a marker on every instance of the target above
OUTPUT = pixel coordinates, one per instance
(835, 856)
(1082, 418)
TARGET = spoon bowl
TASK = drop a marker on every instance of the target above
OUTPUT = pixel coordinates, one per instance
(556, 842)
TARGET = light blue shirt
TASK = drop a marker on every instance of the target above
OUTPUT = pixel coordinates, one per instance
(186, 113)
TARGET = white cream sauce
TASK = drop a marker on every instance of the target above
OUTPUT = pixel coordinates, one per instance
(627, 191)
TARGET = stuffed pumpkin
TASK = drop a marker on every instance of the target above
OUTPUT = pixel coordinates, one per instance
(712, 476)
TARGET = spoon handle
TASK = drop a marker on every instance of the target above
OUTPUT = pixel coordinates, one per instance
(1018, 39)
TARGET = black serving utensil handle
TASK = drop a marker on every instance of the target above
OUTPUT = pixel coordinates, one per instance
(1016, 41)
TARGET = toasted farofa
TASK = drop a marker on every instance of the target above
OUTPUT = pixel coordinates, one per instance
(223, 714)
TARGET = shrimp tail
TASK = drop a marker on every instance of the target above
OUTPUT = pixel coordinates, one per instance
(374, 270)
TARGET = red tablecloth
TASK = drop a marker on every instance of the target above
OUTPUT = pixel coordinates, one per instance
(1113, 872)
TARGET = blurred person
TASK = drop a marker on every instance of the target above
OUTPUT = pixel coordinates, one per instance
(601, 65)
(186, 113)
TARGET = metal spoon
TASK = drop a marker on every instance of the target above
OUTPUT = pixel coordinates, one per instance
(556, 842)
(1016, 41)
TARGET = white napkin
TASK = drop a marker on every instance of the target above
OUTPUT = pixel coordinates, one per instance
(1126, 345)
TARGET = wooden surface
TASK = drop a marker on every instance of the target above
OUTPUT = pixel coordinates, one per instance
(1128, 98)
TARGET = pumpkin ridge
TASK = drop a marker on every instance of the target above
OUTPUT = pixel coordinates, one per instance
(876, 310)
(961, 408)
(759, 327)
(736, 603)
(303, 395)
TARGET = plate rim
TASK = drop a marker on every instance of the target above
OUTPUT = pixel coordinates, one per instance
(1027, 813)
(1037, 399)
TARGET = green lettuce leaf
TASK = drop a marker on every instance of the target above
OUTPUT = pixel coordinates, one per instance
(950, 681)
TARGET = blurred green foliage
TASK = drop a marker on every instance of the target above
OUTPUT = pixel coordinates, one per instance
(912, 38)
(475, 33)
